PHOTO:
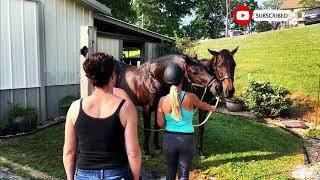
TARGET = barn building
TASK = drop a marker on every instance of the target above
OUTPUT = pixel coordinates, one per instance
(40, 49)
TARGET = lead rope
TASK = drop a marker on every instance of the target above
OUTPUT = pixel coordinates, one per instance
(195, 125)
(207, 118)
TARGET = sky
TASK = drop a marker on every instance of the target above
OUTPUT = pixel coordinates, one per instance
(187, 19)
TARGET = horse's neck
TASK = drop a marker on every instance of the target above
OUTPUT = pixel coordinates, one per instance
(154, 68)
(205, 62)
(208, 64)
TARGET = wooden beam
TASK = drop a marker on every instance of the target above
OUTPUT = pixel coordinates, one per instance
(123, 37)
(131, 27)
(88, 37)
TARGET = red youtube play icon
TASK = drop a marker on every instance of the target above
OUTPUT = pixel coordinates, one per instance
(242, 15)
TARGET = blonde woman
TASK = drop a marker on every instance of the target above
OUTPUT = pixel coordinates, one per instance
(175, 112)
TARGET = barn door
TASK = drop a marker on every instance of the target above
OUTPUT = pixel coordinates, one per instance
(88, 44)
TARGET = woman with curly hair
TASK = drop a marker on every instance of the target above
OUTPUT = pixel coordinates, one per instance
(104, 128)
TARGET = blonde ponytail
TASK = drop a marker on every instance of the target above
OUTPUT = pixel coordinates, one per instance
(175, 102)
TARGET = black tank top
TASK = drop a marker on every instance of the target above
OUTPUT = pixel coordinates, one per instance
(101, 141)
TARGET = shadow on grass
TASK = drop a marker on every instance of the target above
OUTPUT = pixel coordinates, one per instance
(209, 162)
(227, 140)
(237, 145)
(230, 134)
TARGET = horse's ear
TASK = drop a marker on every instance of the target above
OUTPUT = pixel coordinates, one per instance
(235, 50)
(214, 53)
(187, 59)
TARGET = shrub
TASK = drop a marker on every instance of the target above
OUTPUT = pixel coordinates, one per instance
(182, 45)
(263, 26)
(313, 133)
(267, 99)
(4, 126)
(29, 118)
(65, 103)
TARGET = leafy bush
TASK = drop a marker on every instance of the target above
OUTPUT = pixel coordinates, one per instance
(267, 99)
(182, 45)
(313, 133)
(65, 103)
(263, 26)
(29, 115)
(4, 126)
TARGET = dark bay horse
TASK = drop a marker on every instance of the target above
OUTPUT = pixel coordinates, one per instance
(222, 66)
(145, 85)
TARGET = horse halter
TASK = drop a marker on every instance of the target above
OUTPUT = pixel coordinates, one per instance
(209, 83)
(225, 77)
(221, 78)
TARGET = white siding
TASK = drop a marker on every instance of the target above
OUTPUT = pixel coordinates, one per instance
(109, 46)
(19, 55)
(63, 19)
(151, 51)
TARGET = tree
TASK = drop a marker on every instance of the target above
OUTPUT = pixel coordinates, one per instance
(272, 4)
(162, 16)
(263, 26)
(209, 21)
(121, 9)
(197, 29)
(310, 3)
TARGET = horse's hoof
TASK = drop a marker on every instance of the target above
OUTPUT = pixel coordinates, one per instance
(202, 157)
(157, 151)
(147, 157)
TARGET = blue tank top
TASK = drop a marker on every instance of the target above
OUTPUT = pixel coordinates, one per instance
(185, 124)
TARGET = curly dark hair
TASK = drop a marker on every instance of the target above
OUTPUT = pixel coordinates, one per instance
(99, 68)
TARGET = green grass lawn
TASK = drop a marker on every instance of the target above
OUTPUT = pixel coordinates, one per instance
(41, 151)
(129, 54)
(283, 57)
(236, 148)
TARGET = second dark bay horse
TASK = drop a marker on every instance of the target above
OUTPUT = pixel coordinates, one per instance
(145, 86)
(222, 66)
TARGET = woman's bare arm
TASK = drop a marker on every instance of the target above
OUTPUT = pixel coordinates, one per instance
(128, 114)
(201, 105)
(160, 113)
(70, 140)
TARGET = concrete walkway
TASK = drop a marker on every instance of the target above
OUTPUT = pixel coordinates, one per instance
(33, 173)
(306, 172)
(5, 174)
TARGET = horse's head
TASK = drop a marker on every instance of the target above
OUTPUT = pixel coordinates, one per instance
(196, 73)
(223, 66)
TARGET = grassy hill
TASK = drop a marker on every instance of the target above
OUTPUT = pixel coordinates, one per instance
(283, 57)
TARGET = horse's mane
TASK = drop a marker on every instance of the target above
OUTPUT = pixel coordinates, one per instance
(160, 61)
(120, 66)
(146, 68)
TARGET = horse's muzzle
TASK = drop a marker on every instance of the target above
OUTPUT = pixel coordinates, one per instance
(228, 93)
(216, 88)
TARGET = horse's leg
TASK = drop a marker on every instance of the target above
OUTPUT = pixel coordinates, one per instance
(146, 124)
(156, 135)
(202, 116)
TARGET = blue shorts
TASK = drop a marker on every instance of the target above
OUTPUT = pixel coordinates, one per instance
(112, 174)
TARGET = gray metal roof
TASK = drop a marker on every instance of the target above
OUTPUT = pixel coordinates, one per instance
(132, 27)
(97, 6)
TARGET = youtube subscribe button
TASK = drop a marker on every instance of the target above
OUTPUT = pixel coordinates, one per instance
(242, 15)
(271, 15)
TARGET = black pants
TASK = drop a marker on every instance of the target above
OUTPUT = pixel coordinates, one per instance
(178, 150)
